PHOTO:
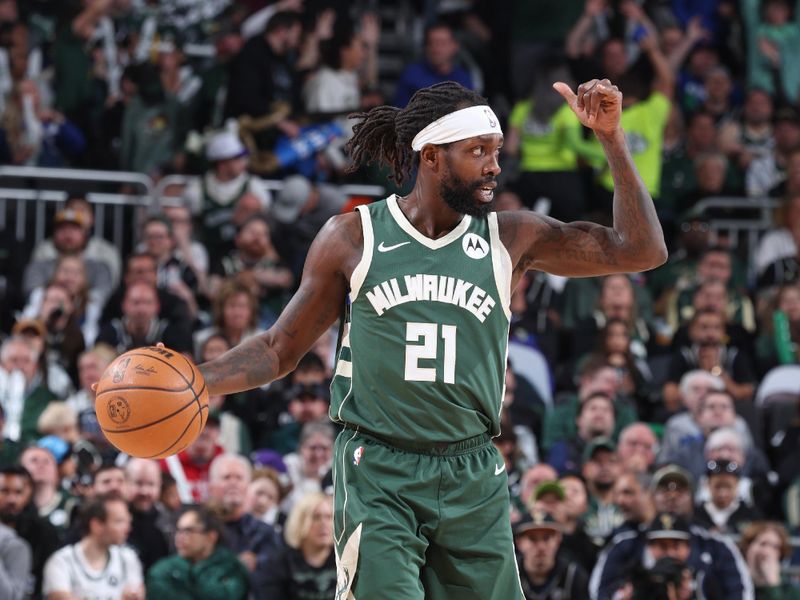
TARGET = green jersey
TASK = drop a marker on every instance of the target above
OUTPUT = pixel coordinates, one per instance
(424, 343)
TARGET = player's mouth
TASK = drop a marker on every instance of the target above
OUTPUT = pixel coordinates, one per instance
(486, 191)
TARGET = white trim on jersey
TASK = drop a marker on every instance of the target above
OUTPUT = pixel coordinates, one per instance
(404, 224)
(362, 268)
(501, 265)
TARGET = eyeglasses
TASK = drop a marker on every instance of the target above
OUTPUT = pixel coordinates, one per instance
(188, 530)
(695, 226)
(714, 467)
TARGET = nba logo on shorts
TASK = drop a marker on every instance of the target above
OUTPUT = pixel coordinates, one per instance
(357, 455)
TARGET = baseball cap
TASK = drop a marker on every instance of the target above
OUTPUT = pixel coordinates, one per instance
(29, 326)
(265, 457)
(536, 521)
(59, 448)
(600, 443)
(667, 526)
(549, 487)
(225, 146)
(70, 215)
(291, 199)
(672, 474)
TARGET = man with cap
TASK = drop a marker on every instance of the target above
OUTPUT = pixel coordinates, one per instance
(715, 562)
(70, 238)
(300, 210)
(601, 468)
(216, 196)
(544, 572)
(93, 247)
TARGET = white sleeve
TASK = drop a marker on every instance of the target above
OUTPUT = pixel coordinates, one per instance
(133, 566)
(56, 573)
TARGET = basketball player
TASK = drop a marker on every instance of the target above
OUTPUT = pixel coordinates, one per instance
(421, 501)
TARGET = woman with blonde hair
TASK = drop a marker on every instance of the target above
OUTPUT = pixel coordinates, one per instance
(307, 563)
(765, 545)
(235, 314)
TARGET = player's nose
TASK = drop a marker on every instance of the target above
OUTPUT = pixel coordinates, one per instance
(492, 167)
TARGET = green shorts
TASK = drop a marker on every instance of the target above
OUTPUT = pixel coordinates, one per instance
(422, 521)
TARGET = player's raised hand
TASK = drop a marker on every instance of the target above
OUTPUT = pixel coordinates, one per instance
(598, 104)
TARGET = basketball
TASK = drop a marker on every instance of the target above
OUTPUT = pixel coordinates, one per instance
(151, 402)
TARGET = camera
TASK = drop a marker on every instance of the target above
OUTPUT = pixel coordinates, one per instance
(654, 583)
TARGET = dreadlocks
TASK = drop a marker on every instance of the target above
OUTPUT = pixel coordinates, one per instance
(384, 134)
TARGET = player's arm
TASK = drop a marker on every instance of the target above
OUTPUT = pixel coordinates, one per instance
(312, 310)
(635, 242)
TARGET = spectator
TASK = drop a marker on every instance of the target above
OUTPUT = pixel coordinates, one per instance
(708, 351)
(715, 565)
(91, 364)
(252, 540)
(191, 471)
(349, 69)
(226, 194)
(64, 238)
(631, 496)
(15, 565)
(255, 262)
(301, 208)
(306, 565)
(311, 463)
(234, 435)
(547, 139)
(779, 342)
(637, 447)
(595, 419)
(140, 324)
(52, 502)
(172, 272)
(770, 35)
(149, 527)
(235, 315)
(142, 268)
(764, 545)
(151, 126)
(108, 480)
(751, 138)
(59, 420)
(766, 172)
(22, 394)
(18, 512)
(776, 257)
(533, 478)
(99, 565)
(543, 572)
(576, 542)
(188, 249)
(305, 401)
(684, 426)
(724, 513)
(601, 468)
(264, 496)
(439, 64)
(202, 569)
(53, 375)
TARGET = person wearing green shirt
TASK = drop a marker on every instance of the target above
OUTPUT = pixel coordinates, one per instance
(547, 138)
(201, 569)
(644, 117)
(764, 545)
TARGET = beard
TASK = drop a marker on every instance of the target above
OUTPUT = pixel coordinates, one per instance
(459, 196)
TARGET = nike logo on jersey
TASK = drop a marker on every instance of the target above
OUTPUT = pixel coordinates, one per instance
(499, 469)
(383, 248)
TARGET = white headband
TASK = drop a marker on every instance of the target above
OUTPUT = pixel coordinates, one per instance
(458, 125)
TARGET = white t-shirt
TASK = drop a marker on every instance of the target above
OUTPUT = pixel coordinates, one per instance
(69, 571)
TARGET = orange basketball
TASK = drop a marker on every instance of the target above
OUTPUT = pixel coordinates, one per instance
(151, 402)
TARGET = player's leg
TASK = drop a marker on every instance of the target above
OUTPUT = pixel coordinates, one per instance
(377, 493)
(471, 553)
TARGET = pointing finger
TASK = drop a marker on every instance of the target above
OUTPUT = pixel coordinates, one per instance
(566, 92)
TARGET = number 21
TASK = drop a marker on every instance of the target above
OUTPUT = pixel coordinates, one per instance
(428, 334)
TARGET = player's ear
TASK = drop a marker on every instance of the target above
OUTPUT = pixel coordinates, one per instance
(429, 155)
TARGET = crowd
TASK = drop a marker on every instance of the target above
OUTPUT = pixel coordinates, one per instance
(650, 423)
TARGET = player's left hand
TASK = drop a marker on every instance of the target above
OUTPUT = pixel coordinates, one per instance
(598, 104)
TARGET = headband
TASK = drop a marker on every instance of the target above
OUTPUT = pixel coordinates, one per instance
(458, 125)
